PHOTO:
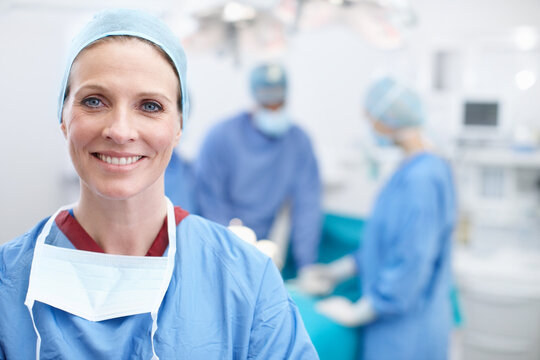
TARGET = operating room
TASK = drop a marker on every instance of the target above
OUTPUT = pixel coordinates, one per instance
(473, 65)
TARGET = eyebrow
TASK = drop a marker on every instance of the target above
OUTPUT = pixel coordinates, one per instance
(99, 88)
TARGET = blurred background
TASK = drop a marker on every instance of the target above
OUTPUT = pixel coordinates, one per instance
(476, 63)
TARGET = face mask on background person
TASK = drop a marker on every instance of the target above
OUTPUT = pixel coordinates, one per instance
(273, 123)
(381, 139)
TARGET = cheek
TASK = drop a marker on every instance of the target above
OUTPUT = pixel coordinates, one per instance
(77, 131)
(162, 138)
(81, 132)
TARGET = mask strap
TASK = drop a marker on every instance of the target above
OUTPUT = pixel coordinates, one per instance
(154, 328)
(171, 253)
(29, 301)
(30, 305)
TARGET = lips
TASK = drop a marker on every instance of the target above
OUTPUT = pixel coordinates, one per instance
(118, 160)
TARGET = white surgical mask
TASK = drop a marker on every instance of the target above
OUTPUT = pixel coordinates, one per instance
(272, 122)
(98, 286)
(382, 140)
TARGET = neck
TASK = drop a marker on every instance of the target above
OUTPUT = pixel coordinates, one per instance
(124, 227)
(411, 141)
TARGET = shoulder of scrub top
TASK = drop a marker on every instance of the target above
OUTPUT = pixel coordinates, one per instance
(16, 256)
(300, 136)
(425, 168)
(223, 129)
(201, 241)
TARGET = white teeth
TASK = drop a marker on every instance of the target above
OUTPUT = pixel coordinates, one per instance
(119, 161)
(132, 159)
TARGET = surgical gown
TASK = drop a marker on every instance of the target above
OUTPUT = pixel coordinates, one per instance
(242, 173)
(225, 301)
(179, 183)
(404, 263)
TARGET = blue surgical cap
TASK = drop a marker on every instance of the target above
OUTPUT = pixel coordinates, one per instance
(130, 23)
(269, 84)
(394, 104)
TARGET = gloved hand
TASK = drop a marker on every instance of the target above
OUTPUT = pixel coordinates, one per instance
(244, 233)
(346, 313)
(321, 279)
(267, 247)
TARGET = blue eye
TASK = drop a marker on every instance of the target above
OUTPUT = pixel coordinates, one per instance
(151, 106)
(92, 102)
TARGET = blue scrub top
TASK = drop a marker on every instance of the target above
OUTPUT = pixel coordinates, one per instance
(405, 265)
(243, 173)
(179, 183)
(226, 300)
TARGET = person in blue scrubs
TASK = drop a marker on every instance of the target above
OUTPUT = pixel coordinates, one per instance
(404, 261)
(252, 165)
(123, 273)
(180, 183)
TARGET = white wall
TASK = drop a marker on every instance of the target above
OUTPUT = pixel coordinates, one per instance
(329, 68)
(31, 49)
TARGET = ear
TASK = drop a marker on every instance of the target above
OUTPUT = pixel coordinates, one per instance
(63, 128)
(178, 133)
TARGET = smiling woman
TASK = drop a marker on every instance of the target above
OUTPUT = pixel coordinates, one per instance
(121, 107)
(123, 273)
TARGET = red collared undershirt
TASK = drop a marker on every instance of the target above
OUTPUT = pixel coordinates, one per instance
(82, 241)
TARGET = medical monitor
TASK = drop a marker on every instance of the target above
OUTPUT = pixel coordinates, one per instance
(481, 114)
(481, 121)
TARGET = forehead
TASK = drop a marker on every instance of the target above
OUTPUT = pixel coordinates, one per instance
(129, 57)
(129, 38)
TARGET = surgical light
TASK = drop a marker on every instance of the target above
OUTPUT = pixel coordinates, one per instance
(234, 12)
(525, 79)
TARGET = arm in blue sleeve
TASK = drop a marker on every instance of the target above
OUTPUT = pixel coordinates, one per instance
(179, 183)
(306, 210)
(278, 331)
(211, 173)
(410, 259)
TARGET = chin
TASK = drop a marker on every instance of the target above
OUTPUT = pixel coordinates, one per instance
(116, 191)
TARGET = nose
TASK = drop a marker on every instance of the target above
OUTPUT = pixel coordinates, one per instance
(120, 127)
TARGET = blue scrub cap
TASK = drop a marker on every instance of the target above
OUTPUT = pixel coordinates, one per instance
(269, 84)
(394, 104)
(130, 23)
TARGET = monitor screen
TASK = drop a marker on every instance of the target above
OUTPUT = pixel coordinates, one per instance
(481, 114)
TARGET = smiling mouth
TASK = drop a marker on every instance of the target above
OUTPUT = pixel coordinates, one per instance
(117, 160)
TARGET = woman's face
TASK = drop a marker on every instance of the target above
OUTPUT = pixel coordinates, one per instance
(121, 118)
